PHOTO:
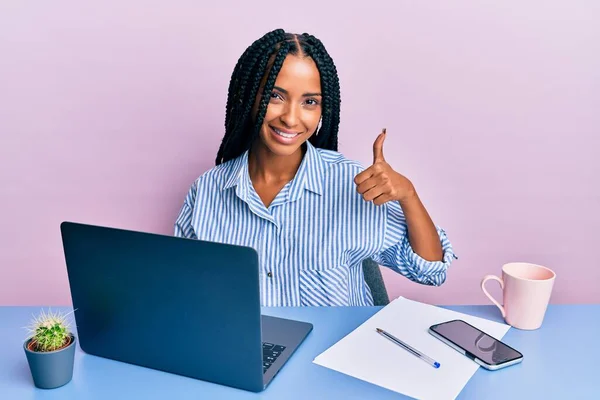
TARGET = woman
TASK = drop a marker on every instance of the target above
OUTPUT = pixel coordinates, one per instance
(281, 187)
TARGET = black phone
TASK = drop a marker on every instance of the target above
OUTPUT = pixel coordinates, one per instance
(485, 350)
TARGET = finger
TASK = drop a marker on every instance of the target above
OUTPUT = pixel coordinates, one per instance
(373, 193)
(363, 176)
(381, 199)
(368, 184)
(378, 147)
(374, 180)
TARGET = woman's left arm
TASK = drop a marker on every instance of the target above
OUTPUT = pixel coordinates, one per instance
(380, 183)
(422, 234)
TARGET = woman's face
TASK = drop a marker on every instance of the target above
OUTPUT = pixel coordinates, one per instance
(294, 109)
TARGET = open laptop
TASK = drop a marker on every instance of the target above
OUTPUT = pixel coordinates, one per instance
(183, 306)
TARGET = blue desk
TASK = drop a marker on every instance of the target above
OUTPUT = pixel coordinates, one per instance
(561, 362)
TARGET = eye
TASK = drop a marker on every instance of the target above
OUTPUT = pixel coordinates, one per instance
(312, 102)
(275, 96)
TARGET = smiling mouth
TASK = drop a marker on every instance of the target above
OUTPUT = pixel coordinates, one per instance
(283, 134)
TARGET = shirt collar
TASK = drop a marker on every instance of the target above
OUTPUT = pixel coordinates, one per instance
(238, 168)
(309, 176)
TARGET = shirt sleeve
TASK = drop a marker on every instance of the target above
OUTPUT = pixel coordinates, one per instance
(183, 223)
(397, 253)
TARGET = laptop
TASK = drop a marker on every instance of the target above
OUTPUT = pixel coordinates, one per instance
(183, 306)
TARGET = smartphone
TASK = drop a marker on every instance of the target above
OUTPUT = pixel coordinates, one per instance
(480, 347)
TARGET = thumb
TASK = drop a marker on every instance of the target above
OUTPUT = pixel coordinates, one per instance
(378, 147)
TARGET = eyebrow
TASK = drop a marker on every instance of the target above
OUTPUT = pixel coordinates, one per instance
(304, 95)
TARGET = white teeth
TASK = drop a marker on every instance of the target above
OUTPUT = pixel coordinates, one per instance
(285, 135)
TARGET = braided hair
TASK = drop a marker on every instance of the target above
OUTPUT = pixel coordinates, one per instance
(263, 60)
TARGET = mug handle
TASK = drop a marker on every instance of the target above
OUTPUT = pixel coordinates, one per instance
(495, 278)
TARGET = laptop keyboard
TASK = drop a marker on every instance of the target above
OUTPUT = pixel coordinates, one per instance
(270, 353)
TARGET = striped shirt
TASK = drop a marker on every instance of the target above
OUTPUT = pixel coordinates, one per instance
(313, 237)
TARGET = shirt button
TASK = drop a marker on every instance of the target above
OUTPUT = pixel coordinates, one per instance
(270, 274)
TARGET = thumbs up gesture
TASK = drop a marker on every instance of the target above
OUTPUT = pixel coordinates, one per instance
(380, 183)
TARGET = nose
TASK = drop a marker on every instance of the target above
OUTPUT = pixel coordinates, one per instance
(290, 116)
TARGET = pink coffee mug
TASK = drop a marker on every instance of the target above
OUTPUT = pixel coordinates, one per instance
(526, 290)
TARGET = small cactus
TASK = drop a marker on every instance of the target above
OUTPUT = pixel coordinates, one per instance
(49, 332)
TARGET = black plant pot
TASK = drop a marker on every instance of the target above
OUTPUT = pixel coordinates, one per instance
(51, 369)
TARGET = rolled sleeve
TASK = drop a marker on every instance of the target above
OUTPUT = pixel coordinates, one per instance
(399, 255)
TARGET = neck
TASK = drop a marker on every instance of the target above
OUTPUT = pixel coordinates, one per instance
(269, 168)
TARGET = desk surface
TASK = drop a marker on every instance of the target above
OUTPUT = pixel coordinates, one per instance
(561, 361)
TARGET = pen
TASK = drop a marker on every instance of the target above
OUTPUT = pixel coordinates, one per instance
(410, 349)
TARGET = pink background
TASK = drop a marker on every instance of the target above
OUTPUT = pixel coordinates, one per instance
(109, 111)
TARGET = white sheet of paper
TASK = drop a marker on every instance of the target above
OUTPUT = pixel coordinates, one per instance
(366, 355)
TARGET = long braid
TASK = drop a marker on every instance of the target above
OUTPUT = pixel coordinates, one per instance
(330, 87)
(238, 96)
(246, 80)
(264, 101)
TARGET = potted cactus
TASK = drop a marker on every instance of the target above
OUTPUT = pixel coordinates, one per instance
(50, 350)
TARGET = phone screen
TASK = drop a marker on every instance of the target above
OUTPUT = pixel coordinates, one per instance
(476, 342)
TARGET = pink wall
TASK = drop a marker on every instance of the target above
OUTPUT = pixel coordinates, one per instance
(109, 111)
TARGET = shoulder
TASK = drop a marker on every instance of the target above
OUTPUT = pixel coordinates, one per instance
(339, 175)
(337, 163)
(210, 181)
(217, 175)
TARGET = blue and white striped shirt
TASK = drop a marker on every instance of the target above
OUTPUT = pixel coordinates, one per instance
(313, 237)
